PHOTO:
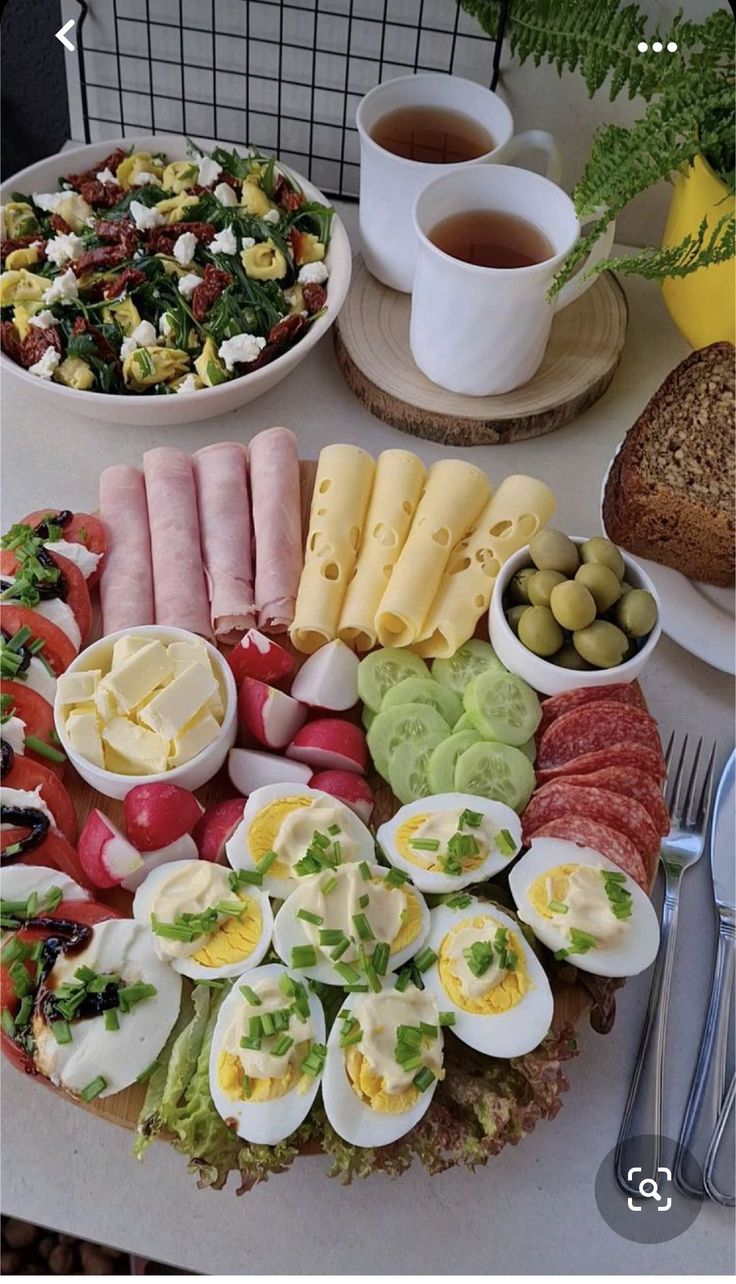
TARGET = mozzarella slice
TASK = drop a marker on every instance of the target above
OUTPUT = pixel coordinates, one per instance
(17, 882)
(25, 798)
(82, 557)
(38, 678)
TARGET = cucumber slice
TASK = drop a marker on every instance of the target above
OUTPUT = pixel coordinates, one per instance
(408, 771)
(464, 724)
(425, 691)
(381, 670)
(529, 749)
(470, 659)
(367, 717)
(444, 757)
(418, 725)
(496, 771)
(502, 707)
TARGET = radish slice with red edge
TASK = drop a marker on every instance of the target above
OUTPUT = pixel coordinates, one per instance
(350, 789)
(104, 853)
(330, 743)
(269, 715)
(250, 769)
(256, 656)
(183, 848)
(155, 815)
(213, 829)
(328, 679)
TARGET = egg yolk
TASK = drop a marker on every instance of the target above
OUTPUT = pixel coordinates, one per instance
(551, 886)
(232, 1080)
(411, 924)
(235, 938)
(264, 829)
(510, 986)
(369, 1087)
(433, 860)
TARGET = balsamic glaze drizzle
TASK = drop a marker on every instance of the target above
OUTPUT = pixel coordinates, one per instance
(36, 822)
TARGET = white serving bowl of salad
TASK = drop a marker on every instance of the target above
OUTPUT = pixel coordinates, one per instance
(135, 405)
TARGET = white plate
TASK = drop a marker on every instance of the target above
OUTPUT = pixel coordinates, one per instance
(699, 617)
(206, 402)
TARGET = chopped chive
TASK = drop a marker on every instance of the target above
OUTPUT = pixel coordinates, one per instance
(287, 986)
(112, 1021)
(331, 936)
(428, 1031)
(365, 872)
(364, 900)
(361, 988)
(446, 1018)
(267, 1023)
(24, 1012)
(251, 996)
(19, 638)
(9, 924)
(145, 1075)
(505, 843)
(425, 959)
(340, 949)
(372, 978)
(93, 1089)
(380, 958)
(251, 876)
(558, 907)
(351, 1037)
(8, 1023)
(425, 844)
(282, 1045)
(247, 1088)
(32, 905)
(472, 819)
(44, 750)
(395, 878)
(320, 840)
(460, 900)
(267, 861)
(309, 917)
(332, 830)
(423, 1079)
(329, 884)
(255, 1027)
(363, 927)
(303, 956)
(403, 980)
(313, 1063)
(348, 973)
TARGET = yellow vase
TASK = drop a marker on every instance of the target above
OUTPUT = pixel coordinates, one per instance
(701, 305)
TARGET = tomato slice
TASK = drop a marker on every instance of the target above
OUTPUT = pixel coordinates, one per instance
(84, 528)
(38, 717)
(88, 912)
(58, 650)
(54, 851)
(77, 594)
(26, 774)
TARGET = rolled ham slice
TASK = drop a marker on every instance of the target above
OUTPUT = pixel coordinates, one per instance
(277, 526)
(126, 586)
(221, 473)
(179, 588)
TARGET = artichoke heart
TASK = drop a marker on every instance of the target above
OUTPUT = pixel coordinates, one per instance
(145, 367)
(75, 373)
(22, 258)
(22, 286)
(179, 176)
(22, 313)
(264, 262)
(124, 313)
(75, 211)
(209, 367)
(18, 220)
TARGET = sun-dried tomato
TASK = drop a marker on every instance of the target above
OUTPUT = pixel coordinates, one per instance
(266, 355)
(105, 349)
(10, 341)
(121, 231)
(315, 297)
(110, 162)
(285, 195)
(287, 331)
(103, 195)
(129, 278)
(215, 281)
(105, 256)
(162, 239)
(36, 342)
(60, 225)
(20, 243)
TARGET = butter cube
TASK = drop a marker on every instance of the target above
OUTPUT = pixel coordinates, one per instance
(142, 752)
(78, 688)
(139, 675)
(81, 728)
(171, 709)
(193, 738)
(182, 654)
(125, 647)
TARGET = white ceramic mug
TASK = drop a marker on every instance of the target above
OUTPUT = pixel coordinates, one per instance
(482, 330)
(389, 184)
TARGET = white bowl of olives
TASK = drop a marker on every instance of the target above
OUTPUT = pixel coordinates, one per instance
(573, 612)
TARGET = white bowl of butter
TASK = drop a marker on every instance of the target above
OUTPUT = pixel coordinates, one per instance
(146, 704)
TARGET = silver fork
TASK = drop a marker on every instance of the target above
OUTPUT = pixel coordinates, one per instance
(688, 796)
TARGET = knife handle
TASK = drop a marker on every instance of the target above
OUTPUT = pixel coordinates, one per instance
(709, 1079)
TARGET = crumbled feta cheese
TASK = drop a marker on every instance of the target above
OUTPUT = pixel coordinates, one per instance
(242, 348)
(184, 248)
(64, 248)
(248, 242)
(106, 176)
(144, 178)
(46, 366)
(43, 319)
(63, 289)
(188, 284)
(225, 194)
(223, 243)
(145, 218)
(188, 384)
(313, 274)
(165, 326)
(209, 171)
(48, 200)
(144, 336)
(272, 216)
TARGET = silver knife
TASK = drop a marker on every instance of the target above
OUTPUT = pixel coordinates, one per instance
(708, 1087)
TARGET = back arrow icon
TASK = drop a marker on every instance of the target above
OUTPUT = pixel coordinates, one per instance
(61, 35)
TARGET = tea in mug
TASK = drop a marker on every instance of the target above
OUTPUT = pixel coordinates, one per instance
(490, 238)
(435, 135)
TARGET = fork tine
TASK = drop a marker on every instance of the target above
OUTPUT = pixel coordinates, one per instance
(698, 815)
(668, 750)
(674, 785)
(686, 808)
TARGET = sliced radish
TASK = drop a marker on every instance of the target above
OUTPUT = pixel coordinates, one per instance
(213, 829)
(329, 678)
(267, 714)
(353, 790)
(329, 743)
(156, 815)
(250, 769)
(104, 853)
(183, 848)
(256, 656)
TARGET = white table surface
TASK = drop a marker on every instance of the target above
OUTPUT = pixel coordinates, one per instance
(532, 1210)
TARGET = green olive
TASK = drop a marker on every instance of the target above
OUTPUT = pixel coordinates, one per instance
(519, 586)
(636, 613)
(601, 644)
(602, 550)
(567, 658)
(513, 615)
(553, 551)
(601, 582)
(540, 585)
(572, 605)
(539, 631)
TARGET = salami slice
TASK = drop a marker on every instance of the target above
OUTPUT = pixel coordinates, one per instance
(626, 815)
(628, 782)
(623, 754)
(608, 842)
(620, 693)
(584, 730)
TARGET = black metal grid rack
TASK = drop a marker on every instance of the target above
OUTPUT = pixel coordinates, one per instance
(285, 75)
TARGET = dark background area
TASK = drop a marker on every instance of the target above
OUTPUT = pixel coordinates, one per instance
(35, 120)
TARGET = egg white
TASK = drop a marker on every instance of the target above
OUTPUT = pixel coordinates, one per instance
(501, 816)
(236, 848)
(18, 881)
(353, 1119)
(633, 954)
(187, 965)
(288, 931)
(263, 1122)
(502, 1034)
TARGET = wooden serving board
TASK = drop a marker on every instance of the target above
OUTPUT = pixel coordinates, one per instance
(371, 337)
(571, 1001)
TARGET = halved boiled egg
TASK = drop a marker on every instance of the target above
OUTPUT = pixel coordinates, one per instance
(384, 1061)
(585, 908)
(19, 882)
(338, 922)
(291, 831)
(267, 1054)
(99, 1043)
(203, 922)
(447, 841)
(486, 974)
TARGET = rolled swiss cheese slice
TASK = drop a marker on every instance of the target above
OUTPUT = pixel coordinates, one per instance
(519, 508)
(396, 491)
(342, 489)
(454, 495)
